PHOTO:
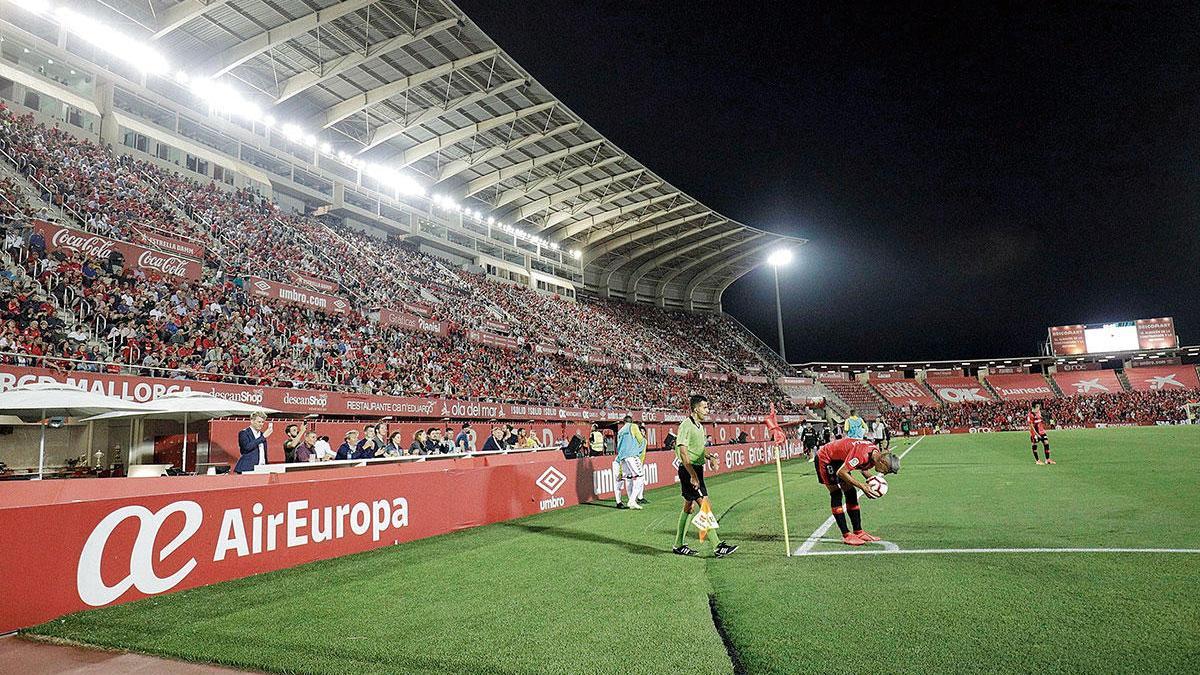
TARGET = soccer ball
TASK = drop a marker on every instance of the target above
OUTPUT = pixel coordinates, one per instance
(879, 484)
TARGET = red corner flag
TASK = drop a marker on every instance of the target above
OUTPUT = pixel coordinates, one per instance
(772, 422)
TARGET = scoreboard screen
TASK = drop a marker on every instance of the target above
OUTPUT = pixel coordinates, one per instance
(1121, 336)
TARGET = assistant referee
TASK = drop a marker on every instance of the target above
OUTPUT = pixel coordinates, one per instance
(690, 450)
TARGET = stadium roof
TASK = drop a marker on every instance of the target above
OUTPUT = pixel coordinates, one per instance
(415, 84)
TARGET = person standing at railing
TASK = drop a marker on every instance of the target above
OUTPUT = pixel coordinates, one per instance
(252, 443)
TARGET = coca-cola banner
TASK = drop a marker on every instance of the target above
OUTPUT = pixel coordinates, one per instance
(152, 236)
(93, 542)
(147, 259)
(493, 340)
(714, 377)
(1021, 387)
(1156, 333)
(1088, 383)
(309, 401)
(1158, 378)
(297, 296)
(958, 389)
(413, 322)
(316, 283)
(904, 393)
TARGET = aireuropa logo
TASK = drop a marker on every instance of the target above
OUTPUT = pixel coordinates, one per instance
(551, 481)
(242, 533)
(141, 576)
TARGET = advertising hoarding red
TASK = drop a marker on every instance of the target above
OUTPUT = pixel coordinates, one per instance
(85, 543)
(1162, 378)
(1088, 382)
(413, 322)
(1021, 387)
(297, 296)
(1156, 333)
(904, 393)
(162, 241)
(150, 260)
(958, 389)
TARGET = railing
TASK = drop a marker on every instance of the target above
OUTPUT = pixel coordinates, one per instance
(376, 461)
(46, 194)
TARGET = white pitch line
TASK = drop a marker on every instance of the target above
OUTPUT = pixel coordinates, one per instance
(820, 531)
(1002, 550)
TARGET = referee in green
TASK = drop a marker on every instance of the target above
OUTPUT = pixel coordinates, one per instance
(689, 449)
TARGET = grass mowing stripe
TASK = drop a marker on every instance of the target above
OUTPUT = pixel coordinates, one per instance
(1003, 550)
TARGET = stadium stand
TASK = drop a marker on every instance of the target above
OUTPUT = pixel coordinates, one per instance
(1149, 407)
(1162, 378)
(856, 395)
(904, 392)
(121, 316)
(1020, 387)
(958, 389)
(1088, 382)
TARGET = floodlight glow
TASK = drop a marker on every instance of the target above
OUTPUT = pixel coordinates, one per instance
(326, 148)
(114, 42)
(781, 257)
(491, 220)
(33, 6)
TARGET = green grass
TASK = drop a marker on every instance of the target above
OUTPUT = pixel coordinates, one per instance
(591, 589)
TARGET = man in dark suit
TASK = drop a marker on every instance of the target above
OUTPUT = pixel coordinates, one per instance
(252, 443)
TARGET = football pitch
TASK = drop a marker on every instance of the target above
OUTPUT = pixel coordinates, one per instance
(990, 564)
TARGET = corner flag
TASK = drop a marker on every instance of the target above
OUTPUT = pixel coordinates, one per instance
(778, 438)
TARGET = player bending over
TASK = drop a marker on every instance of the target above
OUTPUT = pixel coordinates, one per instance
(1037, 432)
(689, 449)
(836, 463)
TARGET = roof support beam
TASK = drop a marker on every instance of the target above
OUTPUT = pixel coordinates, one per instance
(174, 17)
(240, 53)
(355, 104)
(635, 224)
(625, 236)
(387, 132)
(460, 165)
(327, 70)
(661, 286)
(708, 271)
(556, 218)
(438, 143)
(554, 198)
(600, 218)
(487, 180)
(675, 248)
(513, 194)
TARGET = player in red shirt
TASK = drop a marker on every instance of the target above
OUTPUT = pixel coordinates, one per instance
(836, 463)
(1037, 432)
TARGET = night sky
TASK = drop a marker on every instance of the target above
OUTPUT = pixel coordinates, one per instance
(966, 176)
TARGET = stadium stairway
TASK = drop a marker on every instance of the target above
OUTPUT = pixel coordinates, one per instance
(1124, 380)
(833, 402)
(1053, 385)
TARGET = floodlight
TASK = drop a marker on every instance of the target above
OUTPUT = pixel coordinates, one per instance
(780, 257)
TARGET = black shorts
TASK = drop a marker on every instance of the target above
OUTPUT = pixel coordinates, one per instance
(827, 473)
(685, 483)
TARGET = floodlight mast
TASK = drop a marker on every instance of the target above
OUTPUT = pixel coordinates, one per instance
(777, 258)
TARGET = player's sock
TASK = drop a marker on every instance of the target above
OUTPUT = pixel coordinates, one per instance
(712, 536)
(852, 507)
(1046, 449)
(639, 486)
(617, 480)
(684, 516)
(839, 514)
(1035, 455)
